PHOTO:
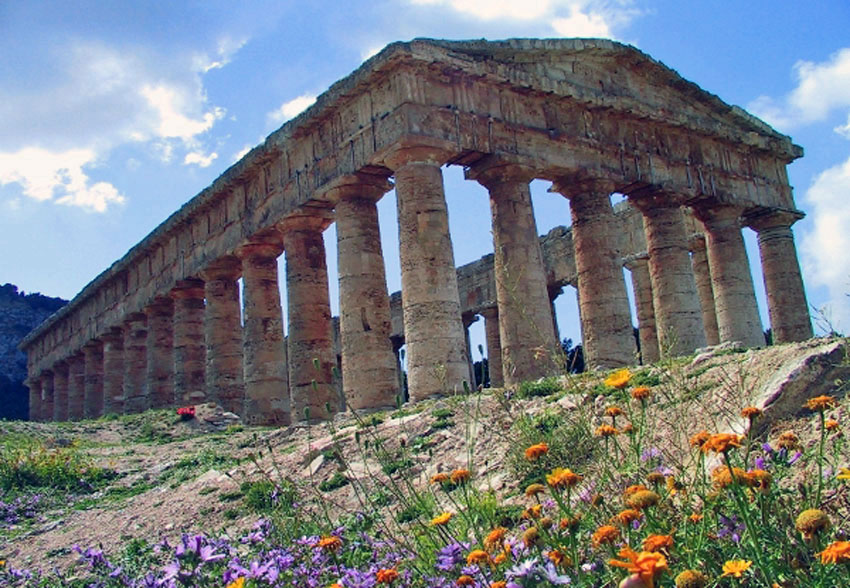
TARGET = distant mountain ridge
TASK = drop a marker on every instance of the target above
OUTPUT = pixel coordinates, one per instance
(19, 314)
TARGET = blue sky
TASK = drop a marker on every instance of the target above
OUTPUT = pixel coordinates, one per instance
(113, 114)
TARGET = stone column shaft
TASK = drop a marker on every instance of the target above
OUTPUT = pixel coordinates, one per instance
(468, 345)
(189, 347)
(159, 376)
(678, 316)
(369, 368)
(47, 401)
(60, 391)
(113, 372)
(135, 363)
(702, 274)
(223, 335)
(35, 407)
(433, 330)
(264, 356)
(783, 282)
(76, 386)
(607, 335)
(734, 296)
(494, 347)
(529, 349)
(93, 396)
(642, 285)
(310, 343)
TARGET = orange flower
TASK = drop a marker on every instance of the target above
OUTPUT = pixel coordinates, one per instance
(534, 490)
(558, 557)
(643, 499)
(632, 489)
(699, 439)
(830, 425)
(499, 584)
(619, 379)
(722, 477)
(477, 556)
(334, 585)
(695, 518)
(657, 542)
(614, 411)
(605, 431)
(329, 543)
(441, 519)
(788, 441)
(736, 567)
(561, 478)
(627, 429)
(645, 564)
(530, 537)
(811, 522)
(836, 552)
(386, 576)
(641, 392)
(570, 523)
(760, 479)
(605, 534)
(655, 478)
(721, 443)
(459, 476)
(820, 403)
(439, 478)
(237, 583)
(533, 512)
(626, 517)
(494, 538)
(750, 412)
(465, 580)
(500, 559)
(534, 452)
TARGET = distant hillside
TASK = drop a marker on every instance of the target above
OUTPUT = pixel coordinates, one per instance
(19, 314)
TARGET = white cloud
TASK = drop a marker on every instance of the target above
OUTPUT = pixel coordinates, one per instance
(821, 89)
(170, 105)
(582, 24)
(199, 158)
(227, 47)
(242, 153)
(496, 9)
(50, 175)
(291, 109)
(825, 248)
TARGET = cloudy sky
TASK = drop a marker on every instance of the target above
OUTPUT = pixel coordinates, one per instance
(113, 114)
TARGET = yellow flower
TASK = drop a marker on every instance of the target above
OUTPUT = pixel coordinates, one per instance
(530, 537)
(645, 564)
(836, 552)
(820, 403)
(536, 451)
(441, 519)
(494, 538)
(643, 499)
(558, 557)
(811, 522)
(563, 478)
(619, 379)
(830, 425)
(698, 440)
(237, 583)
(788, 441)
(721, 443)
(736, 567)
(533, 513)
(691, 579)
(534, 489)
(477, 556)
(627, 516)
(498, 584)
(843, 474)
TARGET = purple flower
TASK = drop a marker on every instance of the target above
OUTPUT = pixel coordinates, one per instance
(731, 527)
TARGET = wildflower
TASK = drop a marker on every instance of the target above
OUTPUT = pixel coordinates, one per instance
(673, 486)
(500, 559)
(465, 580)
(628, 516)
(641, 392)
(439, 478)
(820, 403)
(731, 527)
(561, 478)
(645, 564)
(494, 538)
(477, 556)
(811, 522)
(533, 512)
(657, 542)
(759, 478)
(558, 557)
(643, 499)
(750, 412)
(788, 441)
(691, 579)
(721, 443)
(655, 478)
(632, 489)
(836, 552)
(334, 585)
(499, 584)
(546, 522)
(605, 534)
(330, 543)
(386, 576)
(843, 474)
(619, 379)
(570, 523)
(459, 476)
(627, 429)
(441, 519)
(699, 439)
(830, 425)
(238, 582)
(695, 518)
(534, 452)
(722, 476)
(736, 567)
(614, 411)
(534, 490)
(605, 431)
(531, 537)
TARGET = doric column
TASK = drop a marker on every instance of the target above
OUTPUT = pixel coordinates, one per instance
(369, 372)
(47, 399)
(264, 356)
(310, 342)
(494, 347)
(433, 329)
(189, 347)
(76, 386)
(223, 334)
(159, 375)
(93, 394)
(135, 363)
(607, 336)
(60, 391)
(786, 296)
(702, 275)
(678, 316)
(34, 385)
(529, 349)
(642, 286)
(113, 371)
(734, 296)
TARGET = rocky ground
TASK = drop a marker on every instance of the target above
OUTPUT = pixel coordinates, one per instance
(175, 476)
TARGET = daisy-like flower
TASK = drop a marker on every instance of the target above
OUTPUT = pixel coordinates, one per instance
(465, 580)
(498, 584)
(691, 579)
(647, 565)
(558, 557)
(628, 516)
(441, 519)
(530, 537)
(460, 476)
(495, 538)
(533, 512)
(698, 439)
(570, 523)
(606, 534)
(632, 489)
(641, 392)
(619, 379)
(820, 403)
(643, 499)
(695, 517)
(386, 576)
(722, 477)
(537, 450)
(477, 556)
(614, 411)
(811, 522)
(657, 542)
(760, 479)
(836, 552)
(439, 478)
(605, 431)
(750, 412)
(721, 443)
(830, 425)
(237, 583)
(843, 474)
(330, 543)
(788, 441)
(736, 567)
(561, 478)
(534, 489)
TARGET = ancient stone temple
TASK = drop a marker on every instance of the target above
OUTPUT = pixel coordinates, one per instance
(163, 325)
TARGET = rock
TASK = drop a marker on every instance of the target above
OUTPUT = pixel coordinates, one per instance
(315, 465)
(703, 354)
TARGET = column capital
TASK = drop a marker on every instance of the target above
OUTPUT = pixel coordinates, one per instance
(647, 201)
(578, 185)
(716, 213)
(93, 345)
(772, 219)
(403, 154)
(639, 260)
(228, 267)
(315, 219)
(160, 306)
(358, 185)
(259, 249)
(112, 336)
(497, 169)
(188, 288)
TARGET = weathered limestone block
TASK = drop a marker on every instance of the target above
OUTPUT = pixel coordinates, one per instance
(642, 286)
(113, 371)
(135, 363)
(310, 341)
(604, 305)
(702, 275)
(678, 316)
(433, 331)
(93, 396)
(786, 296)
(60, 391)
(35, 406)
(76, 386)
(159, 374)
(734, 296)
(189, 347)
(529, 347)
(369, 367)
(494, 349)
(223, 335)
(47, 398)
(267, 397)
